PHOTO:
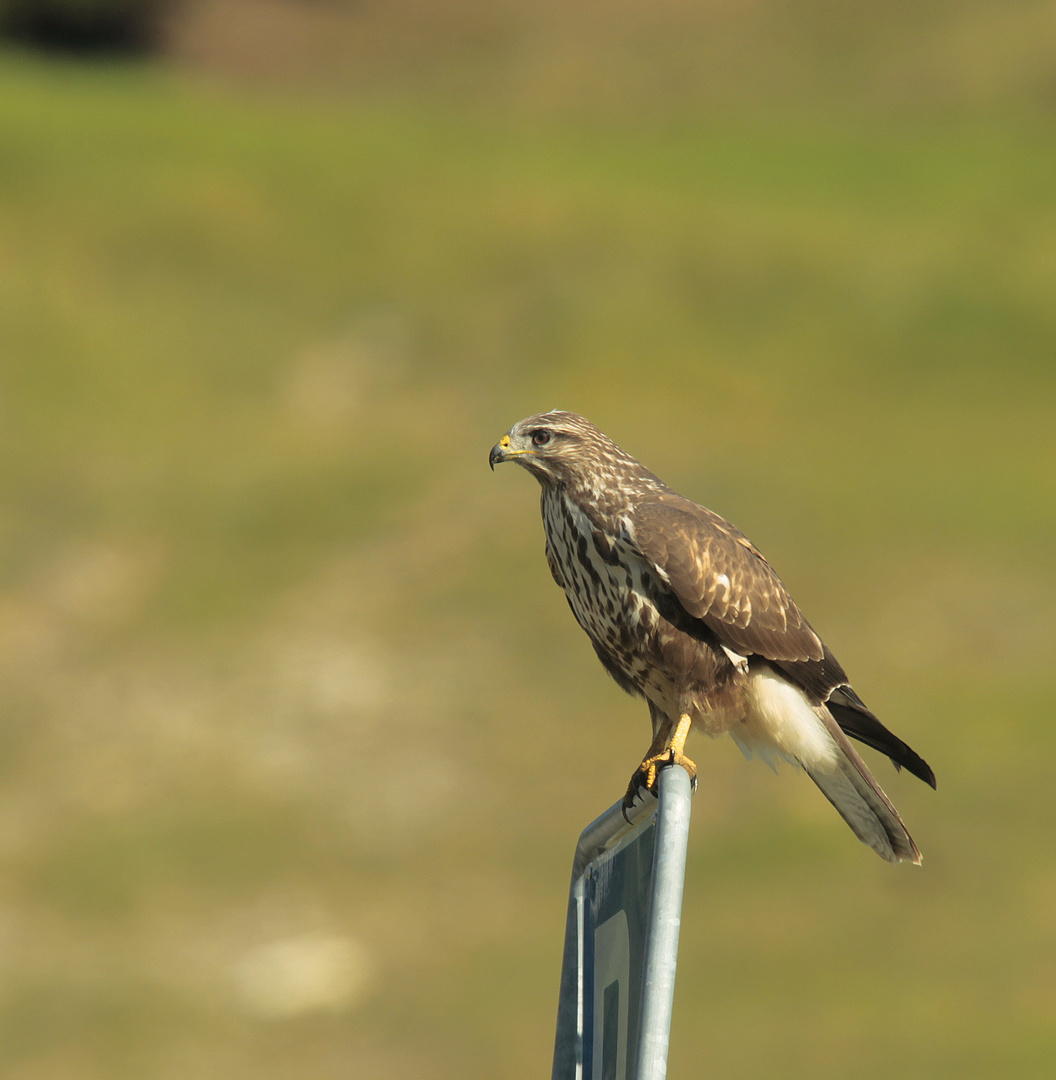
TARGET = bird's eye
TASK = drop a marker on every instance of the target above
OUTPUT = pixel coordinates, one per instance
(540, 437)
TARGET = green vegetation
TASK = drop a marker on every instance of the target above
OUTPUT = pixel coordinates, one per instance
(281, 658)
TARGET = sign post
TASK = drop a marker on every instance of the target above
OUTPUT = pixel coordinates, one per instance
(621, 939)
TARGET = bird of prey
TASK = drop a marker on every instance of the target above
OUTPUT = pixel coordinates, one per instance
(683, 610)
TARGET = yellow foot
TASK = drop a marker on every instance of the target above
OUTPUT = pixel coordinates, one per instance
(645, 776)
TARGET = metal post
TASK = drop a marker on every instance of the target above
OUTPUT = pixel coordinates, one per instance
(665, 919)
(621, 939)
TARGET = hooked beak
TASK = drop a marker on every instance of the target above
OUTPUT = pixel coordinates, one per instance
(500, 452)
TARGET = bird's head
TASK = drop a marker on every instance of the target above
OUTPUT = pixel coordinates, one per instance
(562, 448)
(549, 445)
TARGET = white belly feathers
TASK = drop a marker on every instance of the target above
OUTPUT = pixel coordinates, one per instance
(780, 722)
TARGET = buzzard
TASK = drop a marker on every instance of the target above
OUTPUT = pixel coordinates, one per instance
(683, 610)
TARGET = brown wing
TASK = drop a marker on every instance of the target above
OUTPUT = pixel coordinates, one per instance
(719, 577)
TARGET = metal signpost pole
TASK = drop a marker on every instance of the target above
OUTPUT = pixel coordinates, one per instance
(665, 920)
(621, 939)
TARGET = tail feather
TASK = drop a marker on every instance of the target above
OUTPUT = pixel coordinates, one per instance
(860, 800)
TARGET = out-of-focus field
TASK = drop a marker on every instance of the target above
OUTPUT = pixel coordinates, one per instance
(297, 734)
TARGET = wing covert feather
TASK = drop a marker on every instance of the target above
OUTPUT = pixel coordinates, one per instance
(720, 577)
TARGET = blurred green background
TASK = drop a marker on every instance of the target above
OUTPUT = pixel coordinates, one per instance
(298, 736)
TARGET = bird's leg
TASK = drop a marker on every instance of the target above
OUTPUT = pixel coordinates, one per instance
(665, 749)
(678, 742)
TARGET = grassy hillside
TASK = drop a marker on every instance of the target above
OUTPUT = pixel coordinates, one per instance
(652, 61)
(298, 735)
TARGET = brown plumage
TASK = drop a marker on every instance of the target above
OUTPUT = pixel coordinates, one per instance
(683, 610)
